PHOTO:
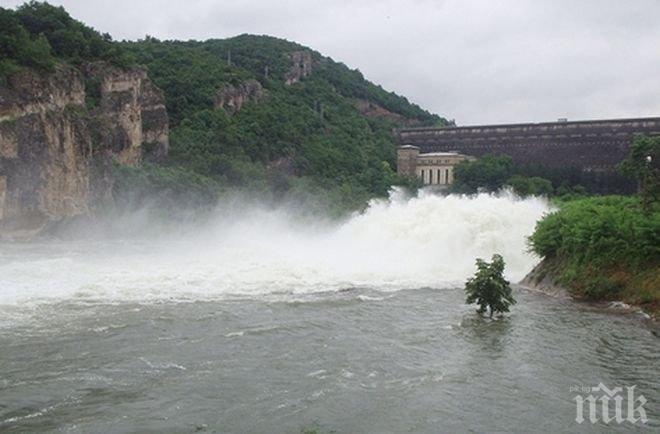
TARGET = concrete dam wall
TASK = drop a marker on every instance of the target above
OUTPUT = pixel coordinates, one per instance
(595, 145)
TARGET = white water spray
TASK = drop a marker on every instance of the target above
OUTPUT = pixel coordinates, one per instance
(395, 244)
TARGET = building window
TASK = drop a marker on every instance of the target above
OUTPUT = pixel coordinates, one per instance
(438, 176)
(446, 176)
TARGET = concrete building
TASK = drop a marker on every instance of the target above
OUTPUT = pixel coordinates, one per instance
(433, 168)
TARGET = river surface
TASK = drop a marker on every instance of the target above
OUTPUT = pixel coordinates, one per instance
(263, 323)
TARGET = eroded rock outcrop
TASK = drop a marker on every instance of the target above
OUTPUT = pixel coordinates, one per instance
(232, 98)
(130, 116)
(543, 279)
(44, 148)
(373, 110)
(301, 67)
(53, 126)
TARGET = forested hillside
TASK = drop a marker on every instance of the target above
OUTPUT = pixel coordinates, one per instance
(311, 126)
(249, 112)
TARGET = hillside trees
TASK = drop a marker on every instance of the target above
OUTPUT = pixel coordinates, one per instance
(312, 129)
(643, 165)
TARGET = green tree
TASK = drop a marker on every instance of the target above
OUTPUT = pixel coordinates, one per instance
(489, 172)
(69, 39)
(488, 288)
(642, 164)
(530, 186)
(19, 48)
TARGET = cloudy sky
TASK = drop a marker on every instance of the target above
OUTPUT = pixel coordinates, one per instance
(476, 61)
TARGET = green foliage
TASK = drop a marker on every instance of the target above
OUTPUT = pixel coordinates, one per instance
(257, 54)
(7, 68)
(69, 39)
(351, 83)
(643, 165)
(189, 75)
(534, 186)
(311, 130)
(169, 189)
(313, 127)
(20, 48)
(566, 192)
(599, 231)
(601, 288)
(37, 34)
(489, 173)
(92, 92)
(601, 245)
(488, 288)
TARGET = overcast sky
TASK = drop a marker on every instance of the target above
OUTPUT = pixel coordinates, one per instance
(479, 61)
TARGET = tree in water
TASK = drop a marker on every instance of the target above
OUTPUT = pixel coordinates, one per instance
(488, 288)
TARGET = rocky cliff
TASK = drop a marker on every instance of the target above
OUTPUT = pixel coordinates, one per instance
(373, 110)
(232, 98)
(301, 67)
(53, 127)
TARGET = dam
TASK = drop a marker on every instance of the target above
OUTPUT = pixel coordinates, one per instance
(590, 145)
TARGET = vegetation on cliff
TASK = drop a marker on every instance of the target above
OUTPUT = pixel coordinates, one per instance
(38, 35)
(309, 122)
(311, 128)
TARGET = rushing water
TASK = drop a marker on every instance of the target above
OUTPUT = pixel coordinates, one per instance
(263, 322)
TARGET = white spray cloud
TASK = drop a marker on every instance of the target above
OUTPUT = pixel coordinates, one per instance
(395, 244)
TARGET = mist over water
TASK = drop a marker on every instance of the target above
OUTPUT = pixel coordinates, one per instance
(398, 243)
(262, 319)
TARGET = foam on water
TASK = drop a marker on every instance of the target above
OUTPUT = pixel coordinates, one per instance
(398, 243)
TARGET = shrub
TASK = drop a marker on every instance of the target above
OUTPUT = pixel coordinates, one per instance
(489, 172)
(599, 230)
(601, 288)
(488, 288)
(532, 186)
(603, 248)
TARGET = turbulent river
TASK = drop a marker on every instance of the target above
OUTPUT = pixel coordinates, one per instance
(264, 321)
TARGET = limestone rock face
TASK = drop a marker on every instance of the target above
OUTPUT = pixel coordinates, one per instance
(301, 67)
(50, 133)
(232, 98)
(44, 148)
(131, 113)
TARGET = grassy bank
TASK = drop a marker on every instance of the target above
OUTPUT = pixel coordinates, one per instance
(603, 248)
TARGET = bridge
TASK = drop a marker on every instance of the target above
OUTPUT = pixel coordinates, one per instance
(591, 145)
